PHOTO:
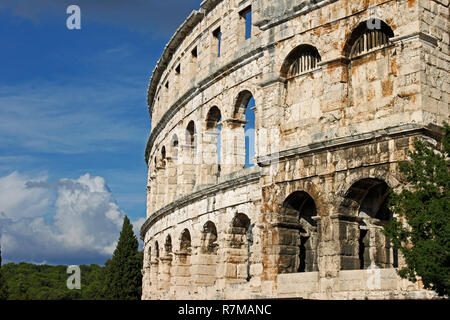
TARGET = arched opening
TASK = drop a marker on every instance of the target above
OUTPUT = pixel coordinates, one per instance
(298, 212)
(209, 238)
(367, 200)
(302, 59)
(162, 161)
(168, 245)
(156, 251)
(165, 267)
(185, 242)
(212, 143)
(372, 69)
(303, 88)
(244, 130)
(187, 177)
(242, 239)
(190, 134)
(175, 143)
(368, 35)
(207, 259)
(154, 271)
(181, 268)
(149, 257)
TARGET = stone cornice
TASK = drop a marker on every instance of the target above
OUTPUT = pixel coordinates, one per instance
(336, 143)
(237, 179)
(416, 35)
(297, 8)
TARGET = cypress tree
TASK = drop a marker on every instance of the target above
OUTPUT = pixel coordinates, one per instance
(123, 279)
(3, 284)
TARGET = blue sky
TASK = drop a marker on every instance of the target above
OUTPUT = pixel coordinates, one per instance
(74, 122)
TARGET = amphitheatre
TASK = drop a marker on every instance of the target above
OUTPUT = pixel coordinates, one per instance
(277, 129)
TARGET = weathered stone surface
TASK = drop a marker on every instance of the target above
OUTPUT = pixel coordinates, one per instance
(339, 99)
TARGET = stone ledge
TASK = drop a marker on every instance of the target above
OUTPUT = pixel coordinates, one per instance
(233, 180)
(316, 147)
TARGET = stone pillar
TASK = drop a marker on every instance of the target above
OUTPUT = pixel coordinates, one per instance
(181, 275)
(186, 171)
(164, 274)
(209, 165)
(233, 258)
(154, 275)
(172, 179)
(233, 146)
(204, 266)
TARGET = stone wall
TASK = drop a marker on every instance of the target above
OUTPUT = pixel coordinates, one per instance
(341, 90)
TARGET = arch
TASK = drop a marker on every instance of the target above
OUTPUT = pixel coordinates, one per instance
(156, 250)
(302, 205)
(241, 103)
(149, 256)
(175, 144)
(242, 239)
(366, 36)
(163, 157)
(213, 118)
(209, 238)
(168, 244)
(298, 212)
(212, 141)
(206, 273)
(357, 193)
(190, 134)
(185, 241)
(301, 59)
(367, 200)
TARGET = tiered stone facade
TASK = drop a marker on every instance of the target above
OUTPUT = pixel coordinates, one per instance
(341, 90)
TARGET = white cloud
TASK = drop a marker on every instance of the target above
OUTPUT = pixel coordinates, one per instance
(19, 200)
(86, 222)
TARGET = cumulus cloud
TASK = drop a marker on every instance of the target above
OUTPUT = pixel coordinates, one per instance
(21, 197)
(157, 17)
(84, 228)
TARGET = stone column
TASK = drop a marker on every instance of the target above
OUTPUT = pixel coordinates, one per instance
(164, 274)
(172, 179)
(181, 275)
(233, 146)
(209, 165)
(154, 275)
(186, 171)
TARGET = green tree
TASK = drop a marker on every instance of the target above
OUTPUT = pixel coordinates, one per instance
(123, 279)
(3, 284)
(421, 228)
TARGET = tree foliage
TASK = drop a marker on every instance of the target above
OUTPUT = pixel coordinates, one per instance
(3, 284)
(420, 229)
(27, 281)
(120, 278)
(123, 279)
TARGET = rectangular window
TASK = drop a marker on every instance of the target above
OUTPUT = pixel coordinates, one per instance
(178, 69)
(218, 36)
(246, 16)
